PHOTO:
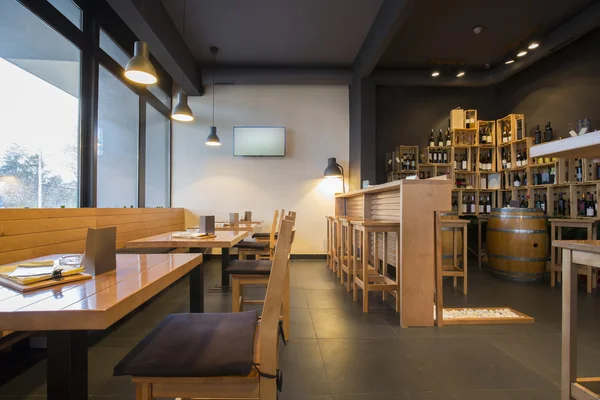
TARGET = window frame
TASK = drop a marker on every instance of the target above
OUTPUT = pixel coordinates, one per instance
(98, 15)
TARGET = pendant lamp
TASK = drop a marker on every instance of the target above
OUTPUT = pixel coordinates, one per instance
(139, 69)
(334, 170)
(182, 111)
(213, 138)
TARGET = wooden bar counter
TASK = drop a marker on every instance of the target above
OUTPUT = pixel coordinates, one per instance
(412, 203)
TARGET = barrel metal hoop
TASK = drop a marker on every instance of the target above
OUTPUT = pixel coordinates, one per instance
(517, 230)
(516, 210)
(519, 276)
(515, 258)
(503, 216)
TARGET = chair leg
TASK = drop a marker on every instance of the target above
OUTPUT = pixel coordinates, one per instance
(235, 294)
(286, 306)
(465, 260)
(143, 391)
(355, 267)
(590, 277)
(365, 277)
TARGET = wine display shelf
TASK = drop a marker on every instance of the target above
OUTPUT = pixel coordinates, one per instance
(545, 178)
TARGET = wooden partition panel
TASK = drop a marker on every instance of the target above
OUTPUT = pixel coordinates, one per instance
(355, 206)
(30, 233)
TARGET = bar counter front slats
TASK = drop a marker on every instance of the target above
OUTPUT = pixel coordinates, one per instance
(412, 203)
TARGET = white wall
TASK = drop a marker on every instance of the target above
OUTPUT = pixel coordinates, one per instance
(209, 180)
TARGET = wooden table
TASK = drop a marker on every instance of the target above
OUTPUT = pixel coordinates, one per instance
(585, 252)
(225, 240)
(68, 311)
(556, 225)
(242, 226)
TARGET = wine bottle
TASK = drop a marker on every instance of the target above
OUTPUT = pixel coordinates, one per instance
(590, 206)
(503, 158)
(582, 205)
(445, 158)
(464, 163)
(524, 158)
(448, 138)
(518, 158)
(596, 207)
(508, 161)
(517, 180)
(519, 129)
(464, 205)
(525, 178)
(455, 163)
(489, 139)
(482, 137)
(454, 204)
(481, 162)
(538, 203)
(504, 134)
(472, 204)
(431, 140)
(489, 161)
(543, 203)
(561, 204)
(538, 135)
(523, 202)
(578, 172)
(440, 139)
(549, 132)
(488, 206)
(430, 156)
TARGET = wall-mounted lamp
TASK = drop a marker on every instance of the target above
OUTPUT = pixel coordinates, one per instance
(335, 170)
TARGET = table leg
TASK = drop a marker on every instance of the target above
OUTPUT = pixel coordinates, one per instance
(224, 264)
(569, 325)
(197, 289)
(67, 365)
(553, 255)
(478, 243)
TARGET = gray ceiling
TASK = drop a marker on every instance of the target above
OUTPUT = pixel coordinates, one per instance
(441, 31)
(298, 33)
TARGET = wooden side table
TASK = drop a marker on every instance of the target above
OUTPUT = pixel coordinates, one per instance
(584, 252)
(556, 225)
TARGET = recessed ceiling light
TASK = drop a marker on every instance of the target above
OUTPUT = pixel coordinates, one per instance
(509, 61)
(435, 73)
(522, 53)
(460, 74)
(533, 45)
(477, 30)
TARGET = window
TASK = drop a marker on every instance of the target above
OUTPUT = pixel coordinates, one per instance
(160, 94)
(39, 73)
(69, 10)
(111, 48)
(157, 158)
(117, 147)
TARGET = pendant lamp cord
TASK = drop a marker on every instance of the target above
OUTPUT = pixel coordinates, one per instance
(213, 79)
(142, 21)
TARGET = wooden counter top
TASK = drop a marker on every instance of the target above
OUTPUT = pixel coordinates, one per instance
(590, 246)
(391, 186)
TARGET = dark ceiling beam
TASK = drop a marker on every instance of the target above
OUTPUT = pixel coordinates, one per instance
(576, 27)
(390, 17)
(279, 76)
(164, 40)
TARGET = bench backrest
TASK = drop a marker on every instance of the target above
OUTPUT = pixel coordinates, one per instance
(30, 233)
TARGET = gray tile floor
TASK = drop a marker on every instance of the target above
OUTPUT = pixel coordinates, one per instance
(339, 353)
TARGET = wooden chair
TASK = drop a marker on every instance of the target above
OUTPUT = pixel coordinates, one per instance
(329, 241)
(266, 236)
(261, 250)
(335, 243)
(214, 356)
(256, 272)
(370, 278)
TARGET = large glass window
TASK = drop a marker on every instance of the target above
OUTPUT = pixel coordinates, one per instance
(39, 112)
(111, 48)
(69, 10)
(157, 158)
(117, 147)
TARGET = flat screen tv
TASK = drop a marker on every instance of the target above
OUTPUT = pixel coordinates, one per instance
(259, 141)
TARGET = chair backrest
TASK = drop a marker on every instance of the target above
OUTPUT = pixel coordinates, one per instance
(292, 215)
(273, 300)
(277, 219)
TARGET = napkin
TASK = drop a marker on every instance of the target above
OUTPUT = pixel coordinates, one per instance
(192, 235)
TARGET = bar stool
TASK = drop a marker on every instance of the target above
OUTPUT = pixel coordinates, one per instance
(335, 236)
(369, 278)
(556, 225)
(328, 218)
(346, 249)
(452, 227)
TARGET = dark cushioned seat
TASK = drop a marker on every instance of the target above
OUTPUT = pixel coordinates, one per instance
(263, 235)
(244, 244)
(261, 267)
(195, 345)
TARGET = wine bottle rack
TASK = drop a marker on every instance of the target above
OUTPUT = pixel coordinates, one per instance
(546, 179)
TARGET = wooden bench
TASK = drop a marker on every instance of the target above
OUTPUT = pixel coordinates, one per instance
(31, 233)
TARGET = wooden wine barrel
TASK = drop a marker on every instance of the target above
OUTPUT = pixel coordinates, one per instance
(447, 255)
(517, 243)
